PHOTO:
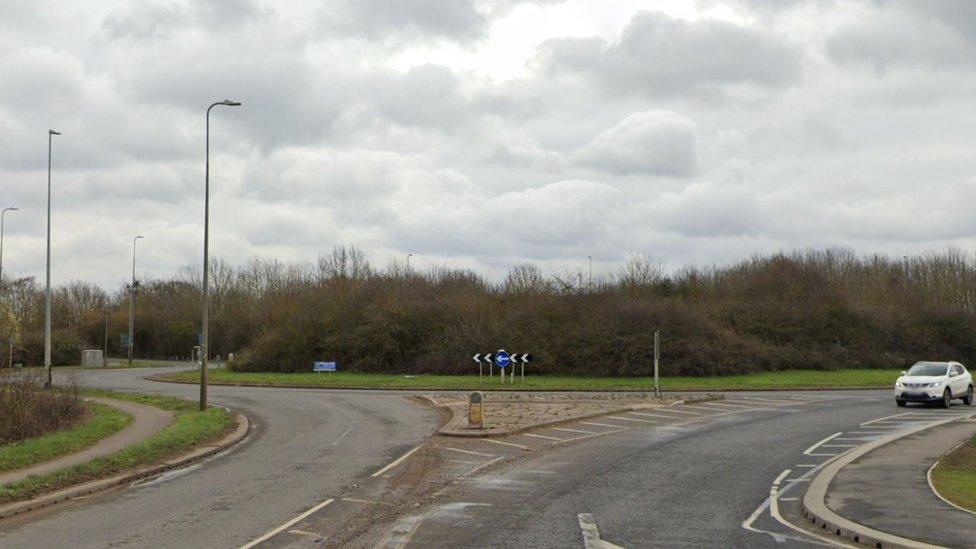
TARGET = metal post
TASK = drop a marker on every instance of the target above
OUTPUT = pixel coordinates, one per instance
(47, 285)
(523, 372)
(657, 358)
(205, 324)
(105, 346)
(10, 363)
(132, 302)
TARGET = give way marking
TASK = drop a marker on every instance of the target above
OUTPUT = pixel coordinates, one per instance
(591, 535)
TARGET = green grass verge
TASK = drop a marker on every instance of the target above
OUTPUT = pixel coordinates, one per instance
(955, 477)
(792, 379)
(103, 422)
(190, 428)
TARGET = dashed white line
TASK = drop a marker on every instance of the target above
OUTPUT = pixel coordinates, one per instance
(396, 462)
(810, 450)
(506, 443)
(287, 525)
(880, 419)
(469, 452)
(632, 419)
(547, 437)
(572, 430)
(600, 424)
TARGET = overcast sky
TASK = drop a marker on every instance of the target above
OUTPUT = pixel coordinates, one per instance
(484, 133)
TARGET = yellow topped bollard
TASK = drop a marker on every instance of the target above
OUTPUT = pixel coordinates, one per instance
(476, 416)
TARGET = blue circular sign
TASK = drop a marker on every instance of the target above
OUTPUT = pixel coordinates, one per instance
(502, 359)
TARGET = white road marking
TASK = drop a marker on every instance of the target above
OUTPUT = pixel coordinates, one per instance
(662, 416)
(697, 407)
(632, 419)
(352, 423)
(573, 430)
(674, 410)
(806, 464)
(781, 477)
(880, 419)
(398, 461)
(547, 437)
(287, 525)
(839, 445)
(469, 452)
(726, 405)
(810, 450)
(591, 535)
(600, 424)
(505, 443)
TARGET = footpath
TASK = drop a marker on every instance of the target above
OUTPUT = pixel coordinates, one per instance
(146, 422)
(882, 497)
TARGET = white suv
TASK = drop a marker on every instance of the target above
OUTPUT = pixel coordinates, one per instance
(934, 382)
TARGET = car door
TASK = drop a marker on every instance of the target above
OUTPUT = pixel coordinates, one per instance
(957, 381)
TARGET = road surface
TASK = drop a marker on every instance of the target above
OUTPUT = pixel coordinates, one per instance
(700, 480)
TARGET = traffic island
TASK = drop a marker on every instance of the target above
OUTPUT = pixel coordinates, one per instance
(190, 436)
(878, 495)
(506, 414)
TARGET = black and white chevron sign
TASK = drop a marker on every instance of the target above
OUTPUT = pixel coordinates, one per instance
(516, 358)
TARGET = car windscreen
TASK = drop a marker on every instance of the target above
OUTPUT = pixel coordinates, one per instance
(928, 369)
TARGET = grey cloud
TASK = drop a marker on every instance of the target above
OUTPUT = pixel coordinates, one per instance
(660, 56)
(644, 143)
(379, 19)
(897, 37)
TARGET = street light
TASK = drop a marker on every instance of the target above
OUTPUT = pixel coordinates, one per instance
(105, 347)
(47, 285)
(205, 339)
(408, 262)
(2, 213)
(132, 300)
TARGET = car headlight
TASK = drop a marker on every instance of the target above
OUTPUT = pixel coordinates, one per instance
(898, 385)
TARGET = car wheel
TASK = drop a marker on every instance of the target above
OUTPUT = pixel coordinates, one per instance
(901, 402)
(968, 399)
(946, 399)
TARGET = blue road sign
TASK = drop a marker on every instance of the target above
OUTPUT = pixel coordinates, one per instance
(502, 359)
(324, 367)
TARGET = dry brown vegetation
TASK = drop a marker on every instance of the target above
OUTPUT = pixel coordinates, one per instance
(815, 309)
(27, 410)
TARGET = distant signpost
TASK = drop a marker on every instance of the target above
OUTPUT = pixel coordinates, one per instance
(324, 367)
(503, 359)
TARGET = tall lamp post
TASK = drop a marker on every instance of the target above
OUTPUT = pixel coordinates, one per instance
(105, 346)
(47, 284)
(132, 301)
(2, 213)
(205, 339)
(408, 262)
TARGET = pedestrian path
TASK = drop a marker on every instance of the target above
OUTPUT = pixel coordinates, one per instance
(146, 421)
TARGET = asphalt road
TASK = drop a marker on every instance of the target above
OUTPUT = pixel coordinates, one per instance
(306, 446)
(688, 486)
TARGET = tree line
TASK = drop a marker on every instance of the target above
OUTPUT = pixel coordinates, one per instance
(819, 309)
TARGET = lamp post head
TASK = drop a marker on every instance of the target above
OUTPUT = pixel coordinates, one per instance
(138, 237)
(230, 103)
(53, 132)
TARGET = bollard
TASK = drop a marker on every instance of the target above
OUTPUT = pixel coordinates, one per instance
(476, 417)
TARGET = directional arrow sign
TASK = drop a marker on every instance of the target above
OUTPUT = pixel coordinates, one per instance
(488, 357)
(502, 359)
(526, 358)
(477, 358)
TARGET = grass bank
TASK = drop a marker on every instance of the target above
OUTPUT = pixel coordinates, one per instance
(791, 379)
(955, 476)
(104, 421)
(190, 428)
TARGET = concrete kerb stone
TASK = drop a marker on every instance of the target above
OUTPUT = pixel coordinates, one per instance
(475, 433)
(814, 506)
(235, 437)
